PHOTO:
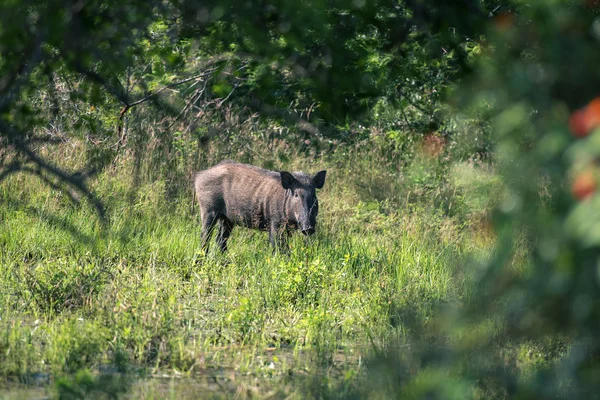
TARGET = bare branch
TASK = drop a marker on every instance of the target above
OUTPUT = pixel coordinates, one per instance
(229, 95)
(302, 124)
(148, 97)
(170, 85)
(194, 98)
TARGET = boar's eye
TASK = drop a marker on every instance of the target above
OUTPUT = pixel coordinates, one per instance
(296, 195)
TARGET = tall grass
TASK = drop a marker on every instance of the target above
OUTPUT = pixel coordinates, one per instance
(79, 299)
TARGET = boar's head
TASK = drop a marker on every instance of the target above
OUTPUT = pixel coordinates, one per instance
(302, 205)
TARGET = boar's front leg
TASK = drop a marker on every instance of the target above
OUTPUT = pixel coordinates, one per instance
(278, 237)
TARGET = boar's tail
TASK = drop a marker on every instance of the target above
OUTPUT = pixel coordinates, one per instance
(193, 202)
(194, 191)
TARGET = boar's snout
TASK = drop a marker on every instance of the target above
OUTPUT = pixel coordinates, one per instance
(308, 230)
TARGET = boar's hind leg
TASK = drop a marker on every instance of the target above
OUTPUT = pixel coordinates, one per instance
(225, 227)
(209, 219)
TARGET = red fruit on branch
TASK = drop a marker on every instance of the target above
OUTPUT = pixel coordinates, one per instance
(592, 115)
(583, 121)
(577, 124)
(584, 185)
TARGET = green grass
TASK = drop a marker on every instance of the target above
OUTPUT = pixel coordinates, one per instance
(84, 304)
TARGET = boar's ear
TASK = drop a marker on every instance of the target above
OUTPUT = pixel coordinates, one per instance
(287, 179)
(319, 179)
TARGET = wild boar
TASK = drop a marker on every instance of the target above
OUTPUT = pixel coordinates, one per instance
(232, 194)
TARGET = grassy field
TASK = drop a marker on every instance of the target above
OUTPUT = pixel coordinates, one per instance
(133, 308)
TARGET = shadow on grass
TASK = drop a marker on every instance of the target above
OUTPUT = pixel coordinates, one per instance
(52, 220)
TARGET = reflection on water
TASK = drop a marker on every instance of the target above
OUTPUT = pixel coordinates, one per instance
(269, 375)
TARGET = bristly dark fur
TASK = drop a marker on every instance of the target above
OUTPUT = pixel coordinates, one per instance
(232, 193)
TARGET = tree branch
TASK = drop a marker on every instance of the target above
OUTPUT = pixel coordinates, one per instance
(76, 180)
(302, 124)
(128, 106)
(170, 85)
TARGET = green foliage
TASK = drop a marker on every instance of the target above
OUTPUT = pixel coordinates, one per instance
(536, 153)
(428, 115)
